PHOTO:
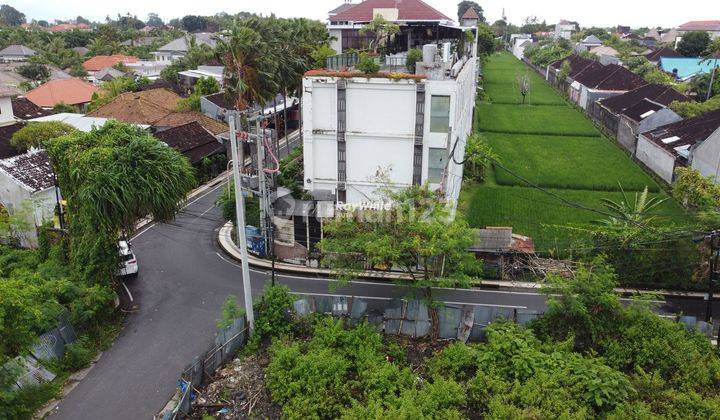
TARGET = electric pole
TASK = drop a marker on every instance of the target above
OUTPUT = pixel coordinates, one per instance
(239, 164)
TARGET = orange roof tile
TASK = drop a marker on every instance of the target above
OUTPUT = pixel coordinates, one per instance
(144, 107)
(100, 62)
(176, 119)
(68, 91)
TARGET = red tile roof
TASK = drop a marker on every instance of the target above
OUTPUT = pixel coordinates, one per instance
(100, 62)
(470, 13)
(700, 25)
(408, 10)
(68, 91)
(68, 27)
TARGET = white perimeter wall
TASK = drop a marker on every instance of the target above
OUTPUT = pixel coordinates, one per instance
(656, 158)
(706, 157)
(41, 205)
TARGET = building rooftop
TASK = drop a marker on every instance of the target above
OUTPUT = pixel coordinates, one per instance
(604, 50)
(144, 107)
(684, 134)
(340, 8)
(407, 10)
(181, 45)
(25, 109)
(100, 62)
(700, 25)
(108, 73)
(470, 13)
(17, 50)
(78, 121)
(69, 27)
(657, 93)
(611, 77)
(591, 39)
(192, 140)
(68, 91)
(663, 52)
(32, 170)
(175, 119)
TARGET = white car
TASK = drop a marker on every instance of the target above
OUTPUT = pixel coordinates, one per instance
(128, 262)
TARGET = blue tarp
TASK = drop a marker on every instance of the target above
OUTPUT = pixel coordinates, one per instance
(687, 67)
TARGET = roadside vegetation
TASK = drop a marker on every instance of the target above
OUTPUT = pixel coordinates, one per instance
(588, 357)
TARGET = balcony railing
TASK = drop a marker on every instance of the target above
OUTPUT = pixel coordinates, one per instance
(341, 61)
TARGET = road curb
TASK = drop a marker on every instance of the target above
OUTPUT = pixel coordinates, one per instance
(226, 243)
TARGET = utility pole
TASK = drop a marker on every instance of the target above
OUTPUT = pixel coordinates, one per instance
(239, 164)
(712, 80)
(260, 143)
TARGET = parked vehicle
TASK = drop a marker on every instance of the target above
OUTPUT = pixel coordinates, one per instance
(128, 261)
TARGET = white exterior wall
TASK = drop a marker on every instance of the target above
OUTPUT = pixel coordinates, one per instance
(6, 110)
(14, 197)
(706, 156)
(380, 132)
(656, 158)
(336, 44)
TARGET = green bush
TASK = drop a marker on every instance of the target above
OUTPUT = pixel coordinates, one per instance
(273, 311)
(78, 355)
(367, 64)
(413, 56)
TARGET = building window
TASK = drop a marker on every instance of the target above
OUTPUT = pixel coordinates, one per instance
(437, 158)
(439, 114)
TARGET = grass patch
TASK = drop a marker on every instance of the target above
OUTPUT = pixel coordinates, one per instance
(583, 163)
(529, 119)
(533, 213)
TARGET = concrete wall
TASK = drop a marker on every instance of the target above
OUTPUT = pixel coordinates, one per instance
(336, 44)
(656, 158)
(210, 109)
(706, 157)
(627, 134)
(628, 129)
(37, 207)
(6, 110)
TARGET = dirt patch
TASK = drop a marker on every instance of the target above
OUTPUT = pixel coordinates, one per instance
(238, 392)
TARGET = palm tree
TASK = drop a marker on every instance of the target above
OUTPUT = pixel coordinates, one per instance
(247, 74)
(635, 212)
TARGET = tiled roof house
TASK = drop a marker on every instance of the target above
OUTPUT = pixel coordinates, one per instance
(693, 142)
(639, 110)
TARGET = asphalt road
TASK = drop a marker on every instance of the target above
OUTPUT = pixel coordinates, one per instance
(184, 279)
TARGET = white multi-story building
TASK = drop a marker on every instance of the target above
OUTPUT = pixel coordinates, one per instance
(565, 29)
(362, 135)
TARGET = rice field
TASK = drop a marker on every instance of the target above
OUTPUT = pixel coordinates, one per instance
(581, 163)
(553, 145)
(532, 119)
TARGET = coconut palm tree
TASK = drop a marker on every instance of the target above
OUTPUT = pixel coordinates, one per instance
(625, 211)
(247, 75)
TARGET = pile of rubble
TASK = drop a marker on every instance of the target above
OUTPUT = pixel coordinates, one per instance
(237, 392)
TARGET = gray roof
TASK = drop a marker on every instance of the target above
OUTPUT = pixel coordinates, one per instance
(493, 239)
(592, 39)
(32, 170)
(17, 50)
(81, 50)
(9, 83)
(181, 44)
(108, 73)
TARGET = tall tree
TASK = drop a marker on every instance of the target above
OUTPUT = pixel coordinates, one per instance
(463, 6)
(154, 20)
(111, 177)
(10, 16)
(694, 43)
(416, 236)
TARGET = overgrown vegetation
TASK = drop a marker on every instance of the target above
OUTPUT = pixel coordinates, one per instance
(588, 356)
(35, 134)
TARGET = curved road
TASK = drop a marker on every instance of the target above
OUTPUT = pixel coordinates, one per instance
(184, 279)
